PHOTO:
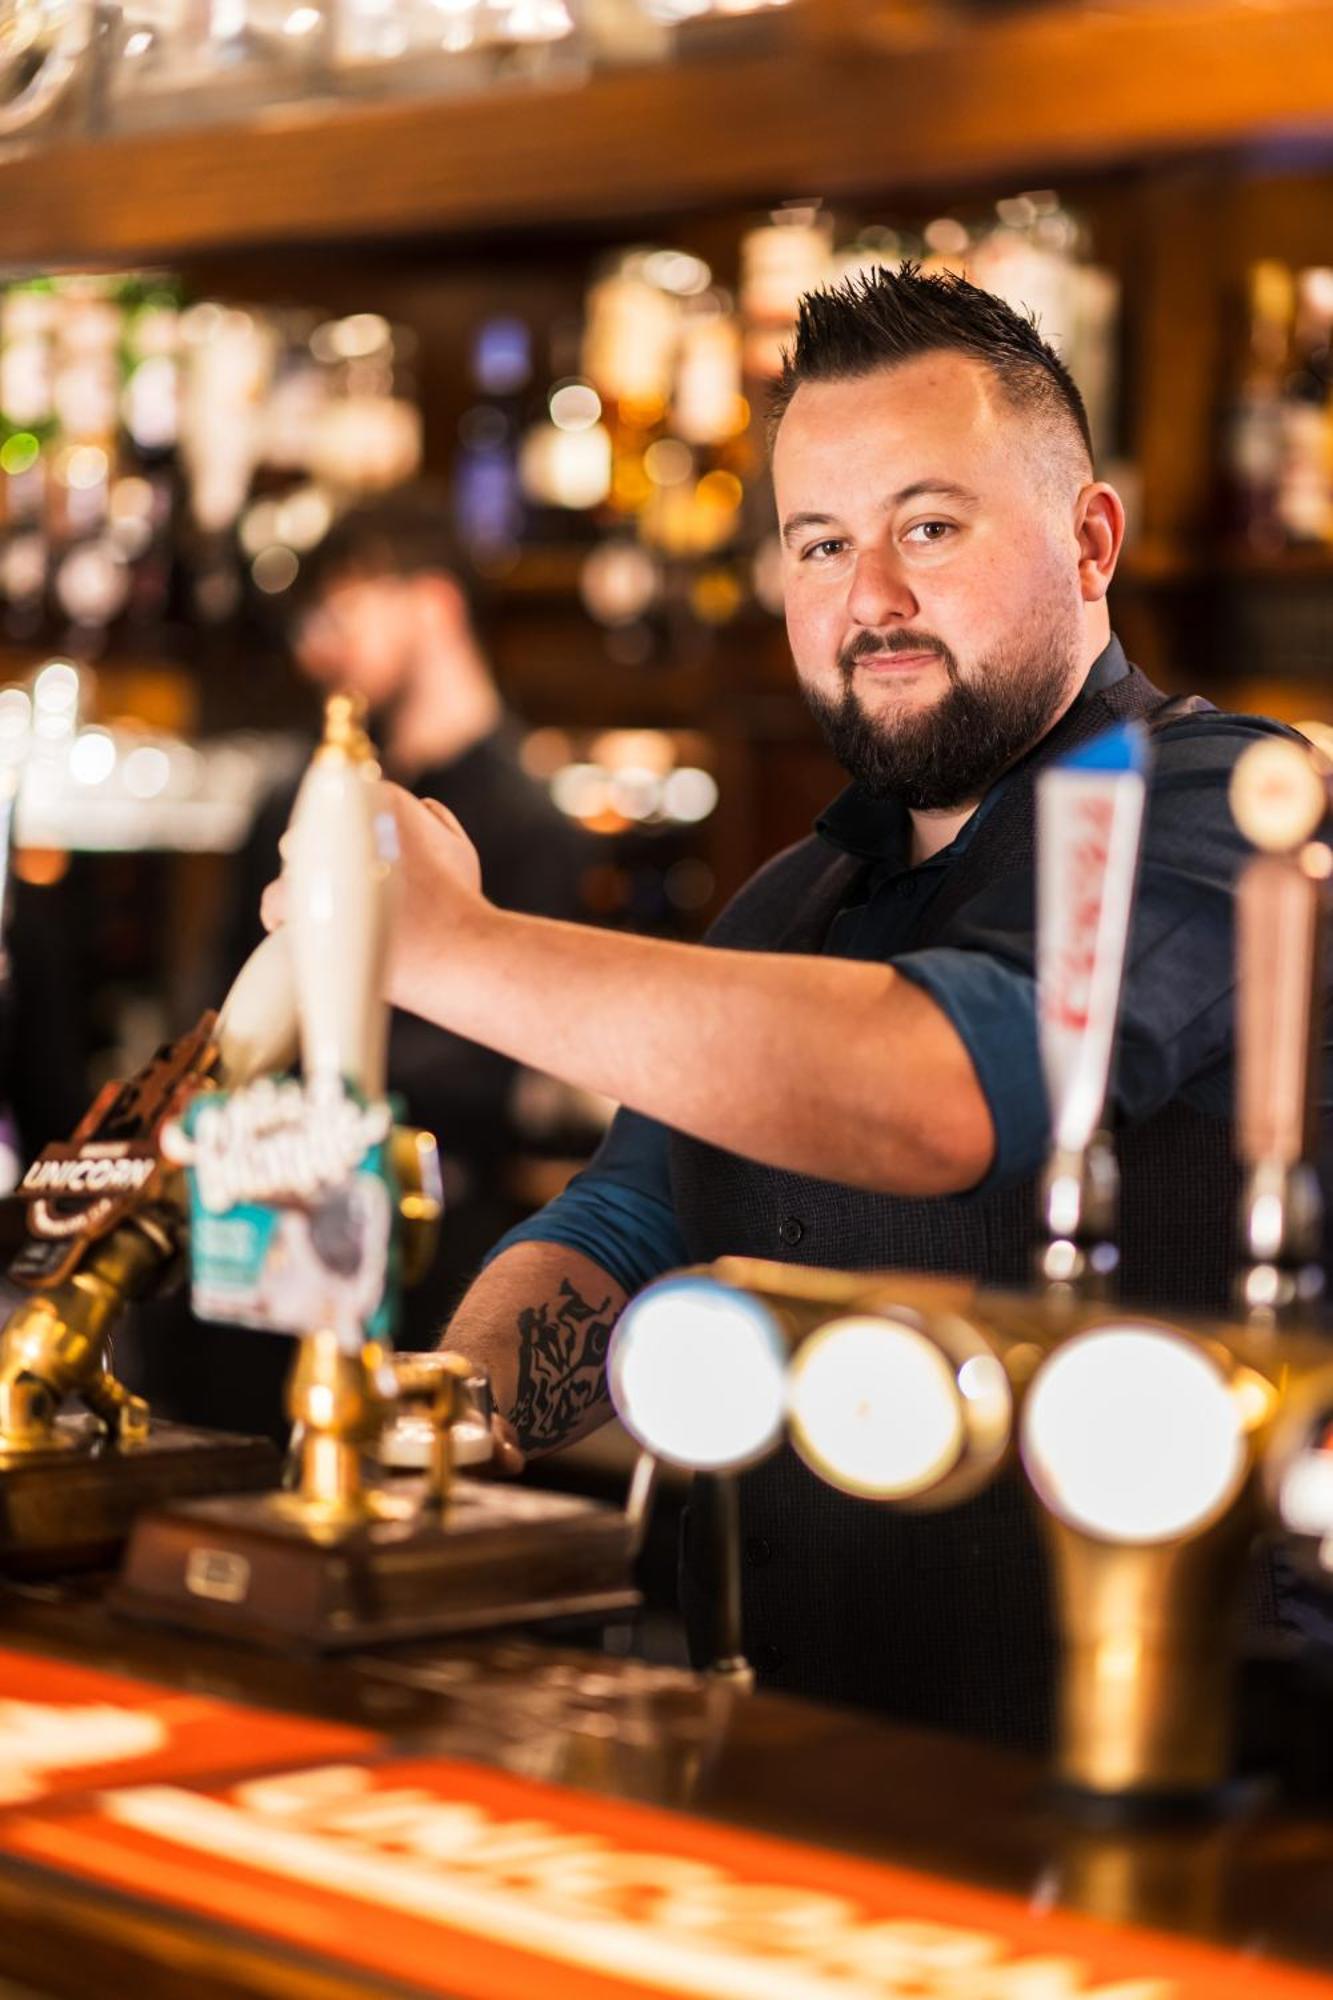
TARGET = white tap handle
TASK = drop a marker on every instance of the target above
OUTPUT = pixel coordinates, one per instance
(339, 870)
(257, 1030)
(1089, 819)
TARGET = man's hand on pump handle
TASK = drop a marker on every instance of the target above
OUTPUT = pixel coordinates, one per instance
(437, 871)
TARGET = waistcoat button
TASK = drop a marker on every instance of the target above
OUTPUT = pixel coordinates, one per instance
(791, 1229)
(758, 1551)
(767, 1659)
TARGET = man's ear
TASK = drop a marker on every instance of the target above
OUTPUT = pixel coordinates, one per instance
(1099, 525)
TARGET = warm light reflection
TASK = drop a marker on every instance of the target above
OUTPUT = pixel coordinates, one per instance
(147, 771)
(874, 1408)
(574, 406)
(1133, 1434)
(92, 757)
(696, 1373)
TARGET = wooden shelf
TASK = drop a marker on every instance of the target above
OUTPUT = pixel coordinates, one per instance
(850, 99)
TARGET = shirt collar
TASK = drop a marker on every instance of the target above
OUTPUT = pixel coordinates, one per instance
(881, 829)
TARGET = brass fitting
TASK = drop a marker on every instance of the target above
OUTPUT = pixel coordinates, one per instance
(415, 1161)
(440, 1382)
(54, 1344)
(340, 1399)
(1150, 1641)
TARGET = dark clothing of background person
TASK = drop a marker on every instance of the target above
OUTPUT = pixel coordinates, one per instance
(531, 858)
(43, 1035)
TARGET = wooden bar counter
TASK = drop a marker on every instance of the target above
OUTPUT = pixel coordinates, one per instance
(883, 1816)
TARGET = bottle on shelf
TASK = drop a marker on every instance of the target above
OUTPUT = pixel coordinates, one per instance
(629, 355)
(488, 492)
(1255, 424)
(144, 497)
(28, 316)
(1305, 480)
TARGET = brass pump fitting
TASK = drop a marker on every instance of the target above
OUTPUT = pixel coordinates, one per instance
(54, 1344)
(340, 1399)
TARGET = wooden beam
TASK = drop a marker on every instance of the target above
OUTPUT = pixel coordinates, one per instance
(892, 108)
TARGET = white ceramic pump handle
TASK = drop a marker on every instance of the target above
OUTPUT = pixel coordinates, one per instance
(339, 872)
(257, 1032)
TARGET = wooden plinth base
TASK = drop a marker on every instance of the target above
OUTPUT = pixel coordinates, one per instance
(252, 1568)
(74, 1508)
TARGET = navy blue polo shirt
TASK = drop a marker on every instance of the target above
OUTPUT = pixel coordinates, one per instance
(1176, 1020)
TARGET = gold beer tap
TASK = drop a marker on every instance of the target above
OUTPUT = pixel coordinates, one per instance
(90, 1255)
(340, 878)
(342, 1557)
(55, 1345)
(1280, 797)
(106, 1225)
(898, 1386)
(339, 1401)
(106, 1221)
(1149, 1442)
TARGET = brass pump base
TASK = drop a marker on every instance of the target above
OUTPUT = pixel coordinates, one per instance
(73, 1507)
(257, 1569)
(341, 1563)
(1150, 1641)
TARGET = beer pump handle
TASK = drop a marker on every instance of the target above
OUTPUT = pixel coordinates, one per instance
(1280, 796)
(1278, 925)
(1089, 822)
(340, 876)
(256, 1032)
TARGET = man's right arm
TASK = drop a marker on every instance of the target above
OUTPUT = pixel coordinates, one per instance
(538, 1320)
(540, 1316)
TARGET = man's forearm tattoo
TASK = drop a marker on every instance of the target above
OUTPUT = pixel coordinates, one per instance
(561, 1366)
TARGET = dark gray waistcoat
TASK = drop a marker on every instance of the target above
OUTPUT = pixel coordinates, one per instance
(939, 1618)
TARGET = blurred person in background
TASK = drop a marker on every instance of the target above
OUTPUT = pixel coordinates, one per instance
(382, 610)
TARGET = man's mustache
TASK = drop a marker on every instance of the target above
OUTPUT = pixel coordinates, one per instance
(866, 644)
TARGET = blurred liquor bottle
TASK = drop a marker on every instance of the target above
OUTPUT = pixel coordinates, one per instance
(145, 494)
(228, 359)
(629, 353)
(711, 417)
(489, 504)
(1305, 485)
(88, 580)
(28, 314)
(1254, 437)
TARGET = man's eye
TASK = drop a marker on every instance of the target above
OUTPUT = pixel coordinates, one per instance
(929, 532)
(821, 551)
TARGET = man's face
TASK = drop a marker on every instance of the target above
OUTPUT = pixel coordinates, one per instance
(931, 568)
(360, 638)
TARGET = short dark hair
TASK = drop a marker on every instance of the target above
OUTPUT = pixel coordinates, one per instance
(408, 531)
(882, 317)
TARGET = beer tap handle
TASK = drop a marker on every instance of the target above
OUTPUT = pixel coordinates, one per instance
(1278, 932)
(256, 1032)
(339, 870)
(1089, 818)
(1279, 797)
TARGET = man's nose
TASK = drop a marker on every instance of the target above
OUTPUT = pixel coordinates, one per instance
(879, 591)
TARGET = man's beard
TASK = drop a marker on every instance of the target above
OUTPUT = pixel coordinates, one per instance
(950, 754)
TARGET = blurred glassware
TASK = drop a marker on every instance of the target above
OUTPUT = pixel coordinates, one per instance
(182, 61)
(44, 46)
(119, 787)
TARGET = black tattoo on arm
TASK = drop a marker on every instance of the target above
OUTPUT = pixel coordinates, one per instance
(561, 1367)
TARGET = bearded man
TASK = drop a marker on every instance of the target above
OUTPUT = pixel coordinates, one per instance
(848, 1073)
